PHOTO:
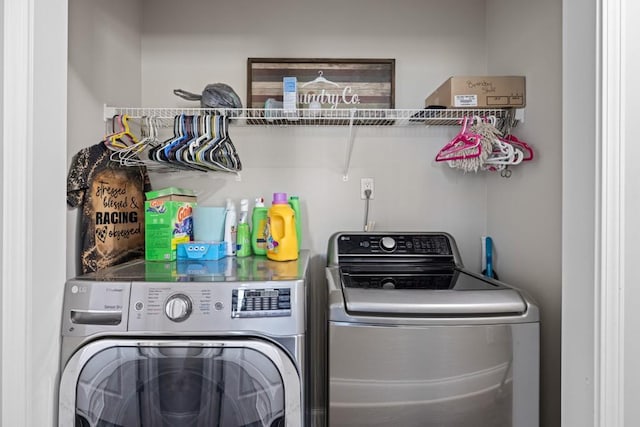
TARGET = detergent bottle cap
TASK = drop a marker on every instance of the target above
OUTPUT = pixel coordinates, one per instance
(260, 202)
(280, 198)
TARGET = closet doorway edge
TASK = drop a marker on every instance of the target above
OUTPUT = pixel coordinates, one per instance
(34, 105)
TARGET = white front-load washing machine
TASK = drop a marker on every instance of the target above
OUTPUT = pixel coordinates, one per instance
(205, 343)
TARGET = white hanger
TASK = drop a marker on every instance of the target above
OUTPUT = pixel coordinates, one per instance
(320, 79)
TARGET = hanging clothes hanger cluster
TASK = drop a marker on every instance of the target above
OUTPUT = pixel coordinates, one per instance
(199, 142)
(120, 137)
(479, 145)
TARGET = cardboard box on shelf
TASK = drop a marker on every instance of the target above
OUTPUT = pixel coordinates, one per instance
(168, 220)
(479, 92)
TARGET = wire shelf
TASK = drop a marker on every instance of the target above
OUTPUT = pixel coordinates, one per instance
(351, 119)
(321, 117)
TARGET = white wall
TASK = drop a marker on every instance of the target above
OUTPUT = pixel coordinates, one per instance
(631, 349)
(104, 68)
(1, 173)
(579, 205)
(524, 212)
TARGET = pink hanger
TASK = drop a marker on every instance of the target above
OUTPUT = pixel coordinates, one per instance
(464, 145)
(526, 148)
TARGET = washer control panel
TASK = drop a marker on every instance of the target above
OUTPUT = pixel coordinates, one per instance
(401, 244)
(193, 307)
(261, 302)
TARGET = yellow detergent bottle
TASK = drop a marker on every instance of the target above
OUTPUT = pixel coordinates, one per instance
(280, 230)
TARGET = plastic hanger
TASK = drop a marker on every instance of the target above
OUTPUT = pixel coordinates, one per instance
(462, 146)
(229, 149)
(152, 142)
(179, 134)
(126, 136)
(189, 134)
(196, 132)
(113, 143)
(499, 153)
(526, 148)
(123, 138)
(189, 155)
(217, 154)
(320, 79)
(223, 154)
(503, 153)
(155, 152)
(184, 133)
(193, 133)
(213, 138)
(128, 156)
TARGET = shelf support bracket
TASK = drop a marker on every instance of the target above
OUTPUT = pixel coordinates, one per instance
(108, 112)
(352, 135)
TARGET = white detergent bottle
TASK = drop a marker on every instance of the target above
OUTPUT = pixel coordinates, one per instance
(230, 228)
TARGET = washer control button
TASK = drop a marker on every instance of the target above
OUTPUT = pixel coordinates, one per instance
(178, 307)
(388, 243)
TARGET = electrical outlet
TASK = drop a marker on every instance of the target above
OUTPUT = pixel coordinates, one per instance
(366, 184)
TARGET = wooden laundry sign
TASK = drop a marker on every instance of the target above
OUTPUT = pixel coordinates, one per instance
(333, 83)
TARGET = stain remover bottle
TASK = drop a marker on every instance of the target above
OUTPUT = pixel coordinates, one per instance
(244, 235)
(258, 222)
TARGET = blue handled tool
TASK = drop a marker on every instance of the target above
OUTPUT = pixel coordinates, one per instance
(487, 252)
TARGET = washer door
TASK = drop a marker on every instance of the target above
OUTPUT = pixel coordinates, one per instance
(130, 383)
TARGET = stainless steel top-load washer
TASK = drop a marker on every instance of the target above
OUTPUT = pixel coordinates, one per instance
(415, 340)
(193, 343)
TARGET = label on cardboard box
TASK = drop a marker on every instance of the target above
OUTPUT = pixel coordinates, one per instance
(465, 101)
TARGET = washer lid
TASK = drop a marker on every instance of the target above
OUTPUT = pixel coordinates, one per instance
(464, 295)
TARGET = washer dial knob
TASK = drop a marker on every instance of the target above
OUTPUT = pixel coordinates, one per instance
(178, 307)
(388, 243)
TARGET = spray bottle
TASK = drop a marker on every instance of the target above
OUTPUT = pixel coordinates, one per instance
(294, 202)
(258, 221)
(244, 235)
(230, 225)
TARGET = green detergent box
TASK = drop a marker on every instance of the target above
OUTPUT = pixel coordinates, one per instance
(168, 220)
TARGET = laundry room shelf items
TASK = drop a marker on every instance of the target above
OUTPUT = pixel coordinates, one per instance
(348, 118)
